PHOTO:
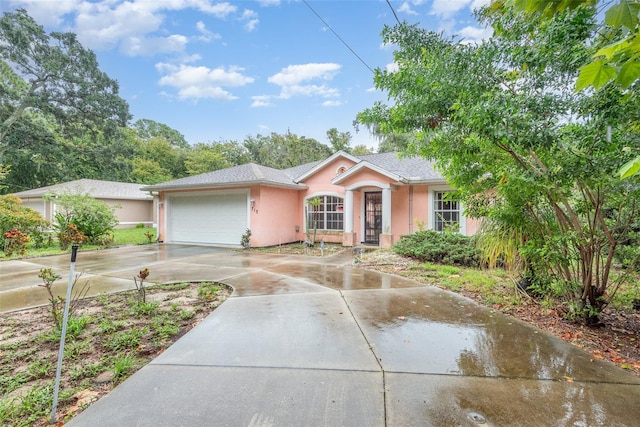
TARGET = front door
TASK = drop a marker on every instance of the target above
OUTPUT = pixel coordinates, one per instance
(372, 217)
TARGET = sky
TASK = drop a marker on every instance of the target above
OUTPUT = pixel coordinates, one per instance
(221, 71)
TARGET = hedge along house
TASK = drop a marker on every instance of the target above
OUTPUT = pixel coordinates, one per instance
(371, 199)
(133, 206)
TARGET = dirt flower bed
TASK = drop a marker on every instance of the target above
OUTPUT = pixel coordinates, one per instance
(109, 337)
(618, 341)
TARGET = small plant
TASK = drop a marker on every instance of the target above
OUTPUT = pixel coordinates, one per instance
(245, 240)
(122, 365)
(145, 308)
(142, 293)
(57, 303)
(140, 225)
(149, 235)
(15, 242)
(207, 291)
(70, 235)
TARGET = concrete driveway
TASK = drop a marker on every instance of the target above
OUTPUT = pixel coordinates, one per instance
(318, 342)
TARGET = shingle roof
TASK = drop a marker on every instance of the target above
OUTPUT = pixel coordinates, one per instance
(247, 174)
(413, 169)
(95, 188)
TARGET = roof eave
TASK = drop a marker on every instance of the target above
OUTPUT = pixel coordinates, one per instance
(223, 185)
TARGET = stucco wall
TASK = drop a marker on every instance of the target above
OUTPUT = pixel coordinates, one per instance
(132, 212)
(274, 216)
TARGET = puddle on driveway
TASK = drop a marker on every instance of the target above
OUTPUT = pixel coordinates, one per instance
(342, 277)
(427, 330)
(262, 282)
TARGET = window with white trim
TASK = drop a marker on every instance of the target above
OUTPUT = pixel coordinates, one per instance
(327, 215)
(446, 211)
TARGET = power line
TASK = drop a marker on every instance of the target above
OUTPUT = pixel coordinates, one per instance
(338, 36)
(392, 10)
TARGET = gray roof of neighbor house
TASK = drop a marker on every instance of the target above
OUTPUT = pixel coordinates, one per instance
(248, 174)
(413, 169)
(92, 187)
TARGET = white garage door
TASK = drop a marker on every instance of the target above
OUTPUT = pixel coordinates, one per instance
(208, 218)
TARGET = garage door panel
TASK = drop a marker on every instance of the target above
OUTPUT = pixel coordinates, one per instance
(220, 219)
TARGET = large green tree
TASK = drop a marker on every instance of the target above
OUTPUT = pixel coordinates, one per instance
(617, 59)
(147, 129)
(527, 152)
(284, 151)
(340, 141)
(56, 76)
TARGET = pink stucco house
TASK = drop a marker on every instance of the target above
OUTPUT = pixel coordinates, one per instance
(371, 199)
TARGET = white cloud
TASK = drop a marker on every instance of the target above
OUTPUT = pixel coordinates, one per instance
(134, 26)
(47, 12)
(248, 14)
(294, 74)
(206, 35)
(331, 103)
(292, 78)
(134, 46)
(392, 67)
(261, 101)
(446, 8)
(477, 4)
(267, 3)
(251, 25)
(194, 82)
(406, 8)
(252, 19)
(471, 35)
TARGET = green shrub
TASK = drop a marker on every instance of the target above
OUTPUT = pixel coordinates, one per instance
(443, 248)
(92, 218)
(13, 215)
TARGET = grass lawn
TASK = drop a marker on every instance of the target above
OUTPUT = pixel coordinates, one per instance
(122, 237)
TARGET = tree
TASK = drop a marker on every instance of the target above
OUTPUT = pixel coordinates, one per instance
(60, 78)
(361, 150)
(147, 129)
(618, 58)
(145, 171)
(507, 129)
(204, 158)
(340, 141)
(284, 151)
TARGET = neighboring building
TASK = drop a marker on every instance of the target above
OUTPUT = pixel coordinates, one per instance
(133, 206)
(371, 199)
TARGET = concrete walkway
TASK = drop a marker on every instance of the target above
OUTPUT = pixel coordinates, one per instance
(317, 342)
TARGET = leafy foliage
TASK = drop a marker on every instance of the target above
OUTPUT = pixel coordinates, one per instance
(15, 216)
(443, 248)
(506, 128)
(88, 216)
(61, 79)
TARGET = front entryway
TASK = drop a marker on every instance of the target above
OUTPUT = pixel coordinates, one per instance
(372, 217)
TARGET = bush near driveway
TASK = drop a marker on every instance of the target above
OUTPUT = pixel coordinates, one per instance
(444, 248)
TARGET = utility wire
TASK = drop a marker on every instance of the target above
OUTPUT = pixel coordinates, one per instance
(338, 36)
(392, 10)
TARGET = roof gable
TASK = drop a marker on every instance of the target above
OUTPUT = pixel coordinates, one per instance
(321, 165)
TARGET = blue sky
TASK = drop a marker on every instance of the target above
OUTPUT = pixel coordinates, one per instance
(224, 70)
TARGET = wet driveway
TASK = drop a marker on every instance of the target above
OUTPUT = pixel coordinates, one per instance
(318, 342)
